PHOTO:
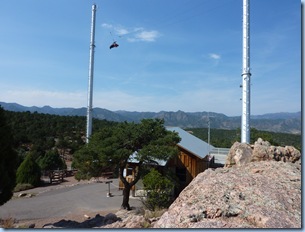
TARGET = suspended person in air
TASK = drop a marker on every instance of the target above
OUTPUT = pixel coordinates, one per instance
(113, 45)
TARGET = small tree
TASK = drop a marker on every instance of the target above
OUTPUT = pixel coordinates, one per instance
(159, 190)
(51, 161)
(87, 163)
(8, 160)
(144, 142)
(29, 172)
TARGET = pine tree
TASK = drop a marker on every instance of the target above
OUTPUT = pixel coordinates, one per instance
(51, 161)
(8, 160)
(159, 189)
(145, 142)
(29, 172)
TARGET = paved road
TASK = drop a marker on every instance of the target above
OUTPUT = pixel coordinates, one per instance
(63, 201)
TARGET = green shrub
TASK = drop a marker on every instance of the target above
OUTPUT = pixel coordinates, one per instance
(159, 191)
(22, 187)
(28, 172)
(87, 163)
(51, 161)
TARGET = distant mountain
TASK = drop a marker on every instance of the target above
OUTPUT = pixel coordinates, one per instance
(282, 115)
(277, 122)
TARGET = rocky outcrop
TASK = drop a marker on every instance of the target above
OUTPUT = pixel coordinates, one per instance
(241, 153)
(264, 194)
(259, 187)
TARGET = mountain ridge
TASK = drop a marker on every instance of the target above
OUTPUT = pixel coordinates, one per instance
(277, 122)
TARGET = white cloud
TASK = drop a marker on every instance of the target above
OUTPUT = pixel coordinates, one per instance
(190, 101)
(134, 34)
(131, 39)
(214, 56)
(121, 31)
(120, 100)
(111, 100)
(138, 29)
(32, 97)
(148, 36)
(203, 99)
(106, 25)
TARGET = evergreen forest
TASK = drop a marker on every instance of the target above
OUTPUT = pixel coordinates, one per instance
(40, 133)
(225, 138)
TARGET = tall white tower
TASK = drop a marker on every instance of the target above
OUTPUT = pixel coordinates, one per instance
(91, 69)
(245, 119)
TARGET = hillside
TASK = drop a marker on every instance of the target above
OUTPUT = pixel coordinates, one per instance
(278, 122)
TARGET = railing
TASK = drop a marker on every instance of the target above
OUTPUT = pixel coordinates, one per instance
(220, 151)
(219, 156)
(57, 176)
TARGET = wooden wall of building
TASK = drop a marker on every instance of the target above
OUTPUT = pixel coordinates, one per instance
(186, 166)
(190, 162)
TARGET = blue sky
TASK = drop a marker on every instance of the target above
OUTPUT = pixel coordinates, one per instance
(172, 55)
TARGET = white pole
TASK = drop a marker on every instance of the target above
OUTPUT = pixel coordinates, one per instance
(209, 131)
(245, 121)
(91, 69)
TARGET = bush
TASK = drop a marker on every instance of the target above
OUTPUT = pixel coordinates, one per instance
(51, 161)
(87, 164)
(28, 172)
(159, 191)
(22, 187)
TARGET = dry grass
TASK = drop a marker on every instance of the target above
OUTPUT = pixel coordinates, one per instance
(146, 224)
(154, 214)
(7, 223)
(151, 216)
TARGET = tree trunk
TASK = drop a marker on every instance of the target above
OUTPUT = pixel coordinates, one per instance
(126, 192)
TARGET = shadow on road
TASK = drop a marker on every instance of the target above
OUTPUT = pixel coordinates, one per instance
(97, 221)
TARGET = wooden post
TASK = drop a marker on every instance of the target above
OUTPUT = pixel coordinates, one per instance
(109, 193)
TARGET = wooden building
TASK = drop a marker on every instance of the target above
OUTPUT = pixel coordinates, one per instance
(193, 159)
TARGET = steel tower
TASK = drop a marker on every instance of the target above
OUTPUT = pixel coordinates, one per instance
(245, 121)
(90, 81)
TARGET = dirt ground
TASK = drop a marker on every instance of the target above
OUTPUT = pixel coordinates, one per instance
(39, 223)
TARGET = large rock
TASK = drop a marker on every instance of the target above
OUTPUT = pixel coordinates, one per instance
(286, 154)
(128, 219)
(264, 194)
(242, 153)
(261, 151)
(239, 154)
